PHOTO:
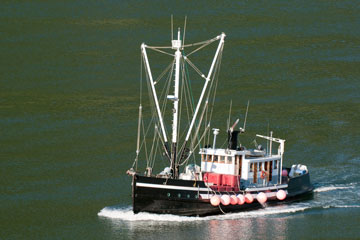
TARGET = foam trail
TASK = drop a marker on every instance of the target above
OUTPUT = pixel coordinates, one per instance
(343, 206)
(332, 188)
(127, 214)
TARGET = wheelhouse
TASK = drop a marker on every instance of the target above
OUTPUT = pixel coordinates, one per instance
(254, 167)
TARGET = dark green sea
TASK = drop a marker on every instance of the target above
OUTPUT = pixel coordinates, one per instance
(69, 94)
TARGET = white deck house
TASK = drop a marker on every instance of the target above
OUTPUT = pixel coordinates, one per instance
(253, 166)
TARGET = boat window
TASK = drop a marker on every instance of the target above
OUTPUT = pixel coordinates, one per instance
(229, 160)
(222, 159)
(266, 166)
(259, 167)
(208, 158)
(239, 162)
(202, 157)
(251, 167)
(275, 164)
(215, 158)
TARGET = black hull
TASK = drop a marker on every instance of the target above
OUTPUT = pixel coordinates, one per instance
(188, 198)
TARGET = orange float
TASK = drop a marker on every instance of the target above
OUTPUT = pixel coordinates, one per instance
(233, 200)
(225, 200)
(281, 195)
(261, 198)
(215, 200)
(249, 198)
(241, 199)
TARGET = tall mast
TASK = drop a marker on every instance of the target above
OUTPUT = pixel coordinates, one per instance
(176, 45)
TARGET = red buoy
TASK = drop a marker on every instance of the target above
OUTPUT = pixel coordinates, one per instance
(241, 199)
(261, 198)
(249, 198)
(233, 200)
(225, 200)
(281, 195)
(215, 200)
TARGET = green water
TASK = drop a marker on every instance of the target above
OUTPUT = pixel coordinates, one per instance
(69, 95)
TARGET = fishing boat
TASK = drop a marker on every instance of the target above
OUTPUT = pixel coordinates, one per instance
(200, 178)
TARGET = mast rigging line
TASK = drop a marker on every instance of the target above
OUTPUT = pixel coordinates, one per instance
(152, 104)
(160, 51)
(163, 73)
(194, 67)
(211, 91)
(153, 91)
(163, 95)
(139, 120)
(204, 45)
(160, 104)
(151, 151)
(205, 108)
(205, 85)
(216, 81)
(205, 132)
(187, 45)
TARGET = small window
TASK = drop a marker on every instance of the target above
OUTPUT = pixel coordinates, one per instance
(208, 158)
(259, 167)
(275, 164)
(222, 159)
(215, 158)
(251, 167)
(202, 157)
(229, 160)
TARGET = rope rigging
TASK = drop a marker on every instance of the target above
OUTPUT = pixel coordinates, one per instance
(186, 101)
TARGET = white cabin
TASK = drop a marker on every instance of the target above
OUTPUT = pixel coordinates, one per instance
(255, 167)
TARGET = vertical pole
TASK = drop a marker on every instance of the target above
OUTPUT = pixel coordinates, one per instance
(176, 106)
(138, 136)
(172, 32)
(281, 160)
(176, 92)
(271, 134)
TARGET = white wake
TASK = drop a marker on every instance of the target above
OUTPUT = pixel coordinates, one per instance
(333, 187)
(126, 214)
(319, 202)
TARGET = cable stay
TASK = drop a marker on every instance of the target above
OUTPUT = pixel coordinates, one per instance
(185, 112)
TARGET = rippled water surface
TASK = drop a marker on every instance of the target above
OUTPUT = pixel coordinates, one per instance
(69, 94)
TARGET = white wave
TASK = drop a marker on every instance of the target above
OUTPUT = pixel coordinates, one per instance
(268, 211)
(344, 206)
(332, 188)
(127, 214)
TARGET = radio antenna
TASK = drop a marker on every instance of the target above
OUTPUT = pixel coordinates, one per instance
(172, 28)
(242, 130)
(184, 31)
(228, 122)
